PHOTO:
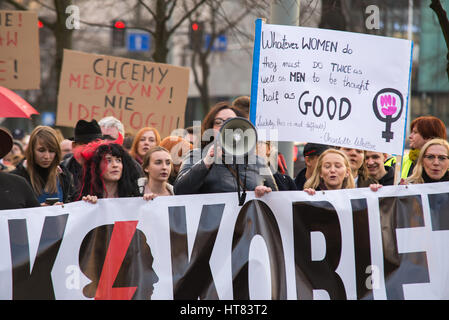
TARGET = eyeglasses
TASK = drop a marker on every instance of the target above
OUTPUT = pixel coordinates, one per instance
(432, 157)
(219, 121)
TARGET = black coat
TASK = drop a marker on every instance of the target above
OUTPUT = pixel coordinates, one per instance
(65, 177)
(300, 179)
(16, 192)
(388, 178)
(72, 166)
(284, 182)
(196, 178)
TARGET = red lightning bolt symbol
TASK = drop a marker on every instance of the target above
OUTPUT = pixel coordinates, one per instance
(120, 239)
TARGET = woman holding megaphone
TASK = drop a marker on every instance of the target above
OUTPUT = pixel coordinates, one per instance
(210, 170)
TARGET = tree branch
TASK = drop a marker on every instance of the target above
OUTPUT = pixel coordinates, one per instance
(170, 11)
(148, 8)
(444, 24)
(196, 6)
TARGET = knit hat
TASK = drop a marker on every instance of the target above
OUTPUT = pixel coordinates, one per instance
(86, 132)
(314, 149)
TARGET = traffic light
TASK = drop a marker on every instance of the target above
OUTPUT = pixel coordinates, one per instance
(196, 34)
(118, 33)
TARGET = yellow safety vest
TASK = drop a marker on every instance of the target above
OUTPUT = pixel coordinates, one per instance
(406, 164)
(390, 162)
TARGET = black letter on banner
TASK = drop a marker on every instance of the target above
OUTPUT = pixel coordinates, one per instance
(362, 246)
(320, 216)
(401, 268)
(439, 211)
(37, 285)
(193, 279)
(256, 218)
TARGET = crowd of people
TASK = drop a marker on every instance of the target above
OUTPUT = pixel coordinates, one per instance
(101, 160)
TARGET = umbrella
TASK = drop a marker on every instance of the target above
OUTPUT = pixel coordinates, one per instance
(14, 106)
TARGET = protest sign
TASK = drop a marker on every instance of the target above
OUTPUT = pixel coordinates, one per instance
(138, 93)
(331, 87)
(19, 50)
(343, 244)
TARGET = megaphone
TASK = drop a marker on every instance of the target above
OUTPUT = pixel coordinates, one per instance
(237, 137)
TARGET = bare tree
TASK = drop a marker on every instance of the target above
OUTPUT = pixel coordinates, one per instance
(436, 6)
(166, 22)
(217, 22)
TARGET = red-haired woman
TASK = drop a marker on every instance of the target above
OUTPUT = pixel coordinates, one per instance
(422, 130)
(144, 140)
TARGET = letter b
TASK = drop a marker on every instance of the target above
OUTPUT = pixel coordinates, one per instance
(320, 216)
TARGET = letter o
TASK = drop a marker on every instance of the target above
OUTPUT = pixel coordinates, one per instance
(331, 115)
(321, 108)
(147, 119)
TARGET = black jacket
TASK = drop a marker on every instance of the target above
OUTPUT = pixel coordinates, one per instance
(65, 177)
(72, 166)
(388, 178)
(196, 178)
(284, 182)
(16, 192)
(300, 179)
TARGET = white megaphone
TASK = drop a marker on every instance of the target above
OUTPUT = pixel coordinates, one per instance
(238, 139)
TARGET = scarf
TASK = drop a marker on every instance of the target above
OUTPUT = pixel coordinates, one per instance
(428, 179)
(414, 154)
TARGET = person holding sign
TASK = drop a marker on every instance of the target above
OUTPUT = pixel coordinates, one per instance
(157, 165)
(332, 172)
(52, 184)
(432, 164)
(208, 174)
(108, 171)
(422, 130)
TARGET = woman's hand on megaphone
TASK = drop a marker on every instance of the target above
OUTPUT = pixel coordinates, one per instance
(209, 159)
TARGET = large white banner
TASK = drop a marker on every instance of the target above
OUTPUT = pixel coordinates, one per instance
(347, 244)
(331, 87)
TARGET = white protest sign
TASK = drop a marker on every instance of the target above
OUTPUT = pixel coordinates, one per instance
(331, 87)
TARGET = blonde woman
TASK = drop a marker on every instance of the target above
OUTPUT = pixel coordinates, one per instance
(50, 182)
(432, 164)
(332, 172)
